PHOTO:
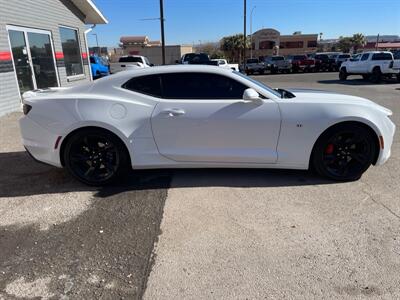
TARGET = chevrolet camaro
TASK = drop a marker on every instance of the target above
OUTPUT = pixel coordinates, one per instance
(201, 117)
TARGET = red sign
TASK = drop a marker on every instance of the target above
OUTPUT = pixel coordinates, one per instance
(59, 55)
(5, 55)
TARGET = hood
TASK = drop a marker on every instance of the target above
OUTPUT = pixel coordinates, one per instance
(320, 96)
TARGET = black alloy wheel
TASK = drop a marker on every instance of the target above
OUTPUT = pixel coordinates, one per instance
(344, 152)
(95, 157)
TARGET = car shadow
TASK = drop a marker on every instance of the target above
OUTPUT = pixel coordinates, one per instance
(20, 175)
(355, 82)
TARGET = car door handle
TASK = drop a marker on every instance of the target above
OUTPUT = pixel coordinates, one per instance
(173, 112)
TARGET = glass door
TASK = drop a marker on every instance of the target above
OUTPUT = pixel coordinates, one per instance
(21, 60)
(33, 57)
(42, 60)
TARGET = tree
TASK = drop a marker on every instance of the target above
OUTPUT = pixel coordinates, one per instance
(345, 44)
(232, 46)
(355, 42)
(358, 40)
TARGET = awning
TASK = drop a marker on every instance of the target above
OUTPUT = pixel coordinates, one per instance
(91, 12)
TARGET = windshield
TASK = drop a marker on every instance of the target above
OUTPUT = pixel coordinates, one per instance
(278, 58)
(252, 61)
(344, 56)
(263, 86)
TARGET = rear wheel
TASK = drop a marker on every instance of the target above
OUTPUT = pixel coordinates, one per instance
(343, 74)
(95, 156)
(344, 152)
(376, 75)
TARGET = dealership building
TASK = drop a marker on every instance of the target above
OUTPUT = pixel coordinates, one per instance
(271, 42)
(43, 44)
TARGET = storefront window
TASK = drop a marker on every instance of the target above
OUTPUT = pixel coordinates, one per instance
(71, 50)
(312, 44)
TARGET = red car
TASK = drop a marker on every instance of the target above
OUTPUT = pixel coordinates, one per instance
(301, 63)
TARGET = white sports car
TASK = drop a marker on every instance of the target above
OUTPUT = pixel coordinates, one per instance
(199, 117)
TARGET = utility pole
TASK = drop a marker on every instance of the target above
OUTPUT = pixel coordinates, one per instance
(251, 32)
(97, 43)
(162, 31)
(244, 33)
(377, 41)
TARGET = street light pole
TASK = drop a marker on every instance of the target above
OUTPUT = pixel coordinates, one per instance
(162, 31)
(244, 33)
(251, 32)
(97, 42)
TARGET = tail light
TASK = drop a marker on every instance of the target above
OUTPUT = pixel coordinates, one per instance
(26, 108)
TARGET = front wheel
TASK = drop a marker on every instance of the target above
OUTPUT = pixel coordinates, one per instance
(344, 152)
(376, 76)
(95, 157)
(343, 74)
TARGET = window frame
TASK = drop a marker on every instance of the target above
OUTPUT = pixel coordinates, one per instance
(201, 98)
(77, 76)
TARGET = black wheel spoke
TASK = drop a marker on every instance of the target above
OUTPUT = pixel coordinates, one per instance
(94, 158)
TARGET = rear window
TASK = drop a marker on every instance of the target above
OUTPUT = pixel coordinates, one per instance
(130, 59)
(344, 56)
(252, 61)
(382, 56)
(148, 85)
(278, 58)
(299, 57)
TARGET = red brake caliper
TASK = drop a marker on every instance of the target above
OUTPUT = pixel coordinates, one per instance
(329, 149)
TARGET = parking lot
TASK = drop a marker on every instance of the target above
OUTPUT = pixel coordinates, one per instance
(202, 234)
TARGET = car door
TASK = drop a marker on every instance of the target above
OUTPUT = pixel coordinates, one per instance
(203, 118)
(362, 66)
(352, 65)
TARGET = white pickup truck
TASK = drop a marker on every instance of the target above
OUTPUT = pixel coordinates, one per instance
(222, 62)
(128, 62)
(372, 65)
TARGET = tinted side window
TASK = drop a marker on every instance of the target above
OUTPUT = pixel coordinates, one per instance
(382, 56)
(365, 56)
(200, 86)
(149, 85)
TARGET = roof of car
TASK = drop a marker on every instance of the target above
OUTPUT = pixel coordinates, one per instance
(175, 68)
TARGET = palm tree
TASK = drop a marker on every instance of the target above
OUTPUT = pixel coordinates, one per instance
(233, 46)
(358, 41)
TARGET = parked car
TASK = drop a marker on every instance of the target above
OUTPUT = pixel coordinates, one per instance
(253, 65)
(301, 63)
(340, 59)
(277, 64)
(396, 64)
(196, 59)
(322, 62)
(372, 65)
(222, 62)
(147, 118)
(130, 61)
(99, 69)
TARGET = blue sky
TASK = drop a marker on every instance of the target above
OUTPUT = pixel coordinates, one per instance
(191, 21)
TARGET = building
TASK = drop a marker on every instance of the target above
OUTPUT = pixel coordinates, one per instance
(270, 41)
(43, 44)
(142, 45)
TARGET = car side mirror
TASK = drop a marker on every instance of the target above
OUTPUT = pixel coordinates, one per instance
(177, 61)
(251, 95)
(151, 65)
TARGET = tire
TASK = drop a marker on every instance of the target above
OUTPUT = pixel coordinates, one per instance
(398, 77)
(343, 74)
(261, 72)
(376, 75)
(344, 152)
(95, 156)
